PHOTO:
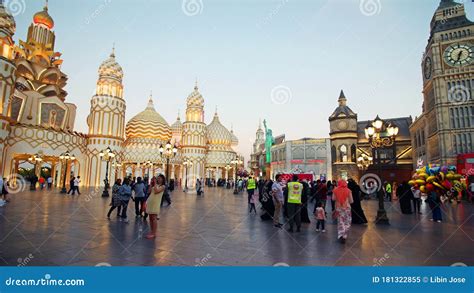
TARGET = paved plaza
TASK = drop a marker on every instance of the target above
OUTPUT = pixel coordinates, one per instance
(51, 229)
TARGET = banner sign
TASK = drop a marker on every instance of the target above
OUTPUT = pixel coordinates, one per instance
(236, 279)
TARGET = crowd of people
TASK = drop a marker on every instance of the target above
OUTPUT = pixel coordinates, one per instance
(340, 201)
(148, 197)
(282, 200)
(290, 200)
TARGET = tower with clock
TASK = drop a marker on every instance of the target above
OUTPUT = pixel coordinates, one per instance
(446, 125)
(343, 133)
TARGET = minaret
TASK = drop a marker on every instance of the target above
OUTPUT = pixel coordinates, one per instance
(106, 119)
(177, 131)
(194, 138)
(40, 31)
(7, 70)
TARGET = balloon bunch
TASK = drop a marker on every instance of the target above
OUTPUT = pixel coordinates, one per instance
(443, 179)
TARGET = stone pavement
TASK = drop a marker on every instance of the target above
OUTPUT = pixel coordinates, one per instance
(48, 228)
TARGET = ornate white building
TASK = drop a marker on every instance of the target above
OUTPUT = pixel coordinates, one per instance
(36, 120)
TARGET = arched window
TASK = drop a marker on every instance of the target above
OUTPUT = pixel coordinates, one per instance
(333, 154)
(343, 153)
(353, 153)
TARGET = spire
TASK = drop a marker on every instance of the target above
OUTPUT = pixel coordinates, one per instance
(196, 85)
(232, 128)
(342, 99)
(260, 123)
(45, 5)
(113, 50)
(178, 115)
(150, 102)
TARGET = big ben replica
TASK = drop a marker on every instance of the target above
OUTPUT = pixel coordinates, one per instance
(446, 126)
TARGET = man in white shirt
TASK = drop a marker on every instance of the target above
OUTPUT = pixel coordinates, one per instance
(277, 193)
(416, 199)
(77, 181)
(50, 182)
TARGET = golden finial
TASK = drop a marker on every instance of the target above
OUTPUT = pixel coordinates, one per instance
(150, 101)
(113, 50)
(46, 5)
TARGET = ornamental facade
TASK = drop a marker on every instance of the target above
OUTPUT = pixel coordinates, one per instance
(36, 120)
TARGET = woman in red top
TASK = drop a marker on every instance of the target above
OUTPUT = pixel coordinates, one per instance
(342, 196)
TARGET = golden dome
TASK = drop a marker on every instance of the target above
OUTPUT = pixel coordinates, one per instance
(148, 124)
(44, 18)
(217, 134)
(7, 22)
(195, 99)
(110, 68)
(177, 126)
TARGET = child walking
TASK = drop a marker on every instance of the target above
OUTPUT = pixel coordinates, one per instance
(320, 216)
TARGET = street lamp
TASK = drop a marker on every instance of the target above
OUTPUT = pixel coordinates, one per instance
(236, 162)
(380, 136)
(186, 164)
(169, 151)
(227, 168)
(35, 159)
(106, 155)
(65, 157)
(117, 166)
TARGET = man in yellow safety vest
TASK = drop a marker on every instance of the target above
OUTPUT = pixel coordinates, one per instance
(295, 190)
(251, 185)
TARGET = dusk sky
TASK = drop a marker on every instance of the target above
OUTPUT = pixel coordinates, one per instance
(241, 51)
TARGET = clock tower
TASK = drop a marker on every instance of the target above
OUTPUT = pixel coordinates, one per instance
(343, 134)
(446, 125)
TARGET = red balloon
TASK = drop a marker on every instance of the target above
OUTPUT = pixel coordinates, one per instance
(447, 184)
(429, 187)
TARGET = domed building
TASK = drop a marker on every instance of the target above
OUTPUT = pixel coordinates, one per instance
(145, 132)
(176, 131)
(38, 122)
(219, 151)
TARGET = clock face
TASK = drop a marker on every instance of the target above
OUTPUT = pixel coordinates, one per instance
(459, 55)
(342, 125)
(428, 67)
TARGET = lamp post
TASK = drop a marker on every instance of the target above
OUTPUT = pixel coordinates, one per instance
(65, 157)
(106, 155)
(227, 168)
(236, 162)
(35, 159)
(168, 151)
(380, 135)
(117, 166)
(186, 164)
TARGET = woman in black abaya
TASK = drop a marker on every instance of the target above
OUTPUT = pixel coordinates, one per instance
(304, 202)
(267, 202)
(358, 216)
(405, 196)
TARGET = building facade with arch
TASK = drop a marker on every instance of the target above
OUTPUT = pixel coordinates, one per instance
(37, 120)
